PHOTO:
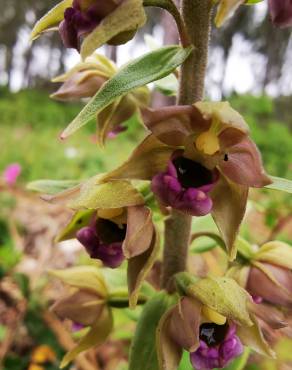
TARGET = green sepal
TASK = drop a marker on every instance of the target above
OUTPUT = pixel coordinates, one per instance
(221, 294)
(79, 220)
(51, 19)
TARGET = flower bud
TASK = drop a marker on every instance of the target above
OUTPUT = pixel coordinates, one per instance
(79, 85)
(272, 283)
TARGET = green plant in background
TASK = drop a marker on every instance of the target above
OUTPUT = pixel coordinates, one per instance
(197, 158)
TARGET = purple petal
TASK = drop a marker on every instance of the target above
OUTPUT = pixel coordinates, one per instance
(82, 18)
(87, 236)
(281, 12)
(219, 356)
(196, 202)
(229, 350)
(205, 359)
(111, 255)
(170, 192)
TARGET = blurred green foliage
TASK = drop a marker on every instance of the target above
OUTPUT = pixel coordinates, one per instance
(272, 135)
(30, 125)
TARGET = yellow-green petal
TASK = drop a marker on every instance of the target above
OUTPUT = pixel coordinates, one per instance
(85, 277)
(51, 19)
(112, 194)
(96, 336)
(128, 16)
(275, 252)
(223, 295)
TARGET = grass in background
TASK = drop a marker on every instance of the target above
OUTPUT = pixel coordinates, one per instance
(30, 124)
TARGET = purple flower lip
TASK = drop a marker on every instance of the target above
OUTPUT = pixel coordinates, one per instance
(281, 12)
(185, 185)
(219, 345)
(103, 241)
(79, 21)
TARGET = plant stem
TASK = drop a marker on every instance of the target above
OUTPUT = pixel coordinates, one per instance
(170, 6)
(196, 16)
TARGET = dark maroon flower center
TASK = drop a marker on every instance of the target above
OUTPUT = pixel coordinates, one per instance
(109, 232)
(192, 174)
(213, 334)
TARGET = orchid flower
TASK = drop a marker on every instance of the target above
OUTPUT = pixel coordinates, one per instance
(86, 25)
(267, 274)
(84, 81)
(200, 159)
(113, 224)
(212, 321)
(86, 305)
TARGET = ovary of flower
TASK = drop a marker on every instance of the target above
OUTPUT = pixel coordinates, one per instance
(208, 141)
(213, 316)
(109, 214)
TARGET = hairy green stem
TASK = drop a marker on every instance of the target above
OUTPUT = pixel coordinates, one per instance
(196, 16)
(170, 6)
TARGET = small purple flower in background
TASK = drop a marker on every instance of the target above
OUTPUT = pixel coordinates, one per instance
(185, 185)
(281, 12)
(116, 131)
(104, 241)
(11, 173)
(219, 345)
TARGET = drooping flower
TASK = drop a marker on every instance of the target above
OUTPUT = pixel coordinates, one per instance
(212, 321)
(84, 81)
(88, 24)
(267, 274)
(113, 224)
(200, 159)
(82, 17)
(85, 305)
(11, 173)
(281, 12)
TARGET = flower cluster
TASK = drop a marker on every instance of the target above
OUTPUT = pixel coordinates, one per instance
(195, 160)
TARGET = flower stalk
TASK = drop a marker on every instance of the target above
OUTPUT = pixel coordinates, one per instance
(196, 15)
(170, 6)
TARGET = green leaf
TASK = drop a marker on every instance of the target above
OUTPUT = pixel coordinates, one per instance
(52, 186)
(143, 355)
(148, 68)
(280, 184)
